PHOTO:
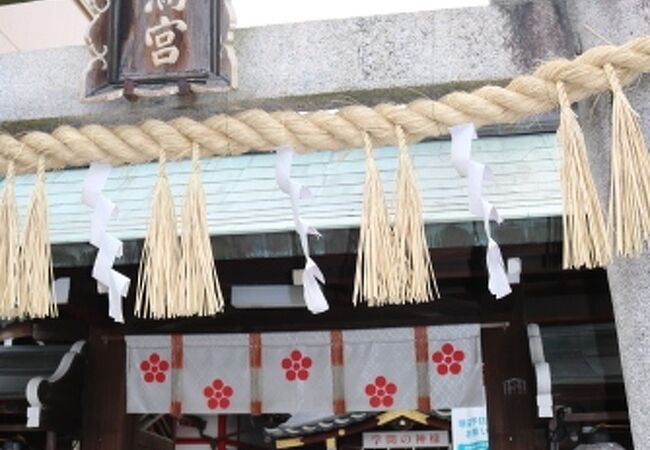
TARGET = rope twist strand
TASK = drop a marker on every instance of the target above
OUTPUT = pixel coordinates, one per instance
(325, 130)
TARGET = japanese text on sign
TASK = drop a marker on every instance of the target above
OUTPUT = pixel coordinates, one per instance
(469, 428)
(162, 36)
(408, 439)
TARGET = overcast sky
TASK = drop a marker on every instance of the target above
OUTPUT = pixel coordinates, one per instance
(251, 13)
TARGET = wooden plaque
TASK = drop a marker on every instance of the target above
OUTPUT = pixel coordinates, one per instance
(159, 47)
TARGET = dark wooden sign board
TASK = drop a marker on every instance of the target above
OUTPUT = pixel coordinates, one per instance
(159, 47)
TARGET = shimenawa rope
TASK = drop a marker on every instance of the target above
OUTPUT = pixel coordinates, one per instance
(35, 296)
(585, 234)
(417, 282)
(629, 199)
(560, 81)
(156, 295)
(199, 291)
(375, 274)
(9, 249)
(262, 131)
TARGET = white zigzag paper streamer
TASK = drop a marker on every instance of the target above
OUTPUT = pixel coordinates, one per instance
(312, 275)
(108, 280)
(478, 174)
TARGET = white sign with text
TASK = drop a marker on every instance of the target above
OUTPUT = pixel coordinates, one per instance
(469, 427)
(406, 439)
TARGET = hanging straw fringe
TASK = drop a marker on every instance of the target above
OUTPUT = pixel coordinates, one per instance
(585, 235)
(199, 291)
(416, 272)
(375, 276)
(9, 248)
(629, 201)
(35, 296)
(158, 278)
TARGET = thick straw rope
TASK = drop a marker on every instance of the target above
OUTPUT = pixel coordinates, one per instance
(417, 281)
(262, 131)
(35, 260)
(629, 199)
(585, 240)
(156, 296)
(199, 291)
(9, 250)
(377, 274)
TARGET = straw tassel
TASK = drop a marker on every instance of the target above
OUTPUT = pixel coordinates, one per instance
(629, 201)
(35, 293)
(585, 240)
(9, 248)
(199, 289)
(158, 277)
(374, 278)
(417, 282)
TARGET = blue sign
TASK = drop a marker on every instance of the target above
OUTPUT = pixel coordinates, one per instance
(469, 428)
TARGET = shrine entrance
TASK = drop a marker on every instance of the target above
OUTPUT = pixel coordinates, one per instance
(388, 430)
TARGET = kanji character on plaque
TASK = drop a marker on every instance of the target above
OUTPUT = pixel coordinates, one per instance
(162, 37)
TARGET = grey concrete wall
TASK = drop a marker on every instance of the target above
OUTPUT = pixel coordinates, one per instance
(312, 65)
(629, 279)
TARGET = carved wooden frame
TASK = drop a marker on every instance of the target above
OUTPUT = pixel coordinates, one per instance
(101, 83)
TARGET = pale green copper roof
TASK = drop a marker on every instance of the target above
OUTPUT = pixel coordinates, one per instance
(242, 196)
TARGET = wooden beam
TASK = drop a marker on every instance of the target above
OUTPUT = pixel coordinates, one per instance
(50, 440)
(511, 415)
(16, 330)
(19, 428)
(604, 416)
(554, 296)
(106, 425)
(59, 330)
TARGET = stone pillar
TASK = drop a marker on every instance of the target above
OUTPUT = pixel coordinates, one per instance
(629, 279)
